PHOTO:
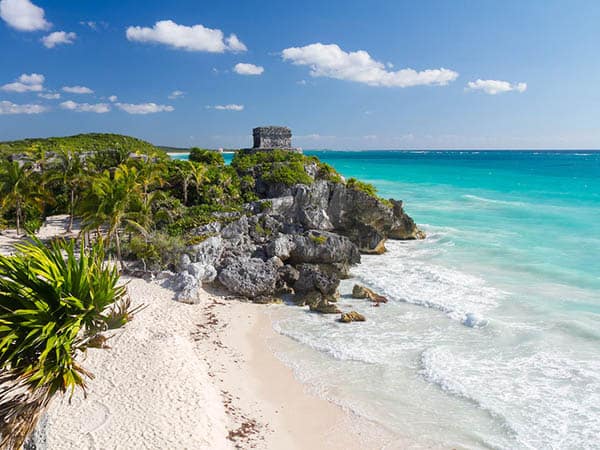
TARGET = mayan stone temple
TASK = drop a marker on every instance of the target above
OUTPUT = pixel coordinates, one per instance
(270, 138)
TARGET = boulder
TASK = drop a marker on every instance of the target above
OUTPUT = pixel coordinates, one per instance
(207, 252)
(281, 246)
(322, 247)
(359, 291)
(187, 287)
(321, 278)
(352, 316)
(250, 277)
(324, 307)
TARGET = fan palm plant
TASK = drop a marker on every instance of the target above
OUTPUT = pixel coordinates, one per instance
(53, 305)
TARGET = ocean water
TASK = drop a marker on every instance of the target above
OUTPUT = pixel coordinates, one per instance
(491, 338)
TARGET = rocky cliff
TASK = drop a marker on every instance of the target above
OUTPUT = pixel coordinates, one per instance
(301, 237)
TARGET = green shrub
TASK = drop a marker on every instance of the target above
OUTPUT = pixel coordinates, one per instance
(357, 185)
(287, 173)
(209, 157)
(157, 252)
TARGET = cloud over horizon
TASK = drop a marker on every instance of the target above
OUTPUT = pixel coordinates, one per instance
(248, 69)
(329, 60)
(196, 38)
(98, 108)
(7, 107)
(493, 87)
(144, 108)
(230, 107)
(23, 15)
(82, 90)
(57, 38)
(33, 82)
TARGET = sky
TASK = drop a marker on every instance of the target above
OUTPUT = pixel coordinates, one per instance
(427, 74)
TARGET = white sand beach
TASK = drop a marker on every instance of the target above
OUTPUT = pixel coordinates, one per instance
(198, 376)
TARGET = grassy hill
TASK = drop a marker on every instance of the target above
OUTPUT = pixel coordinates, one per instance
(90, 142)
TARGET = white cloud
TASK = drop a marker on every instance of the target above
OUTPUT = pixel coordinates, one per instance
(12, 108)
(50, 95)
(77, 90)
(33, 82)
(196, 38)
(230, 107)
(144, 108)
(98, 108)
(58, 37)
(494, 87)
(333, 62)
(113, 98)
(23, 15)
(176, 94)
(248, 69)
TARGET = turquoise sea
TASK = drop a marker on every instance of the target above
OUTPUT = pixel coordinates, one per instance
(491, 338)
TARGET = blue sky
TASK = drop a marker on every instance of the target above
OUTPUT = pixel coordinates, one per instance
(485, 74)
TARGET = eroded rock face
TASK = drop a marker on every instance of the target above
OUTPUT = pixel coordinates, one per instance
(249, 277)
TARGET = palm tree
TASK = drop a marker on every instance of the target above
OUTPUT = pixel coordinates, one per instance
(198, 175)
(68, 170)
(19, 189)
(109, 203)
(53, 306)
(184, 174)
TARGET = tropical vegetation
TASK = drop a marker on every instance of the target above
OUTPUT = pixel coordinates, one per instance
(55, 302)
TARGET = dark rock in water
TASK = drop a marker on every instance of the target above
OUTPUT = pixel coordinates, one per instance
(324, 307)
(404, 227)
(320, 278)
(359, 291)
(250, 277)
(352, 316)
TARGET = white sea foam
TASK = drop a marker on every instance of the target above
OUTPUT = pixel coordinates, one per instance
(405, 274)
(545, 399)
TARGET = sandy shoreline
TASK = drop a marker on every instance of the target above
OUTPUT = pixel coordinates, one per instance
(198, 376)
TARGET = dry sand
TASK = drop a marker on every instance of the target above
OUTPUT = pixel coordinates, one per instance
(198, 377)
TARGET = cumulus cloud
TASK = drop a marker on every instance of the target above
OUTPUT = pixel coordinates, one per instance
(329, 60)
(57, 38)
(248, 69)
(33, 82)
(176, 94)
(113, 98)
(77, 90)
(494, 87)
(144, 108)
(230, 107)
(98, 108)
(12, 108)
(196, 38)
(23, 15)
(50, 95)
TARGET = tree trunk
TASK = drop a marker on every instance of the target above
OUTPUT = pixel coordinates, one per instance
(18, 218)
(70, 227)
(185, 192)
(118, 245)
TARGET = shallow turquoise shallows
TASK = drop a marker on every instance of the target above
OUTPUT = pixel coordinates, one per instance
(491, 338)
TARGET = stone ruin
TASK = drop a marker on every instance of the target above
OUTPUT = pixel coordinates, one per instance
(271, 138)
